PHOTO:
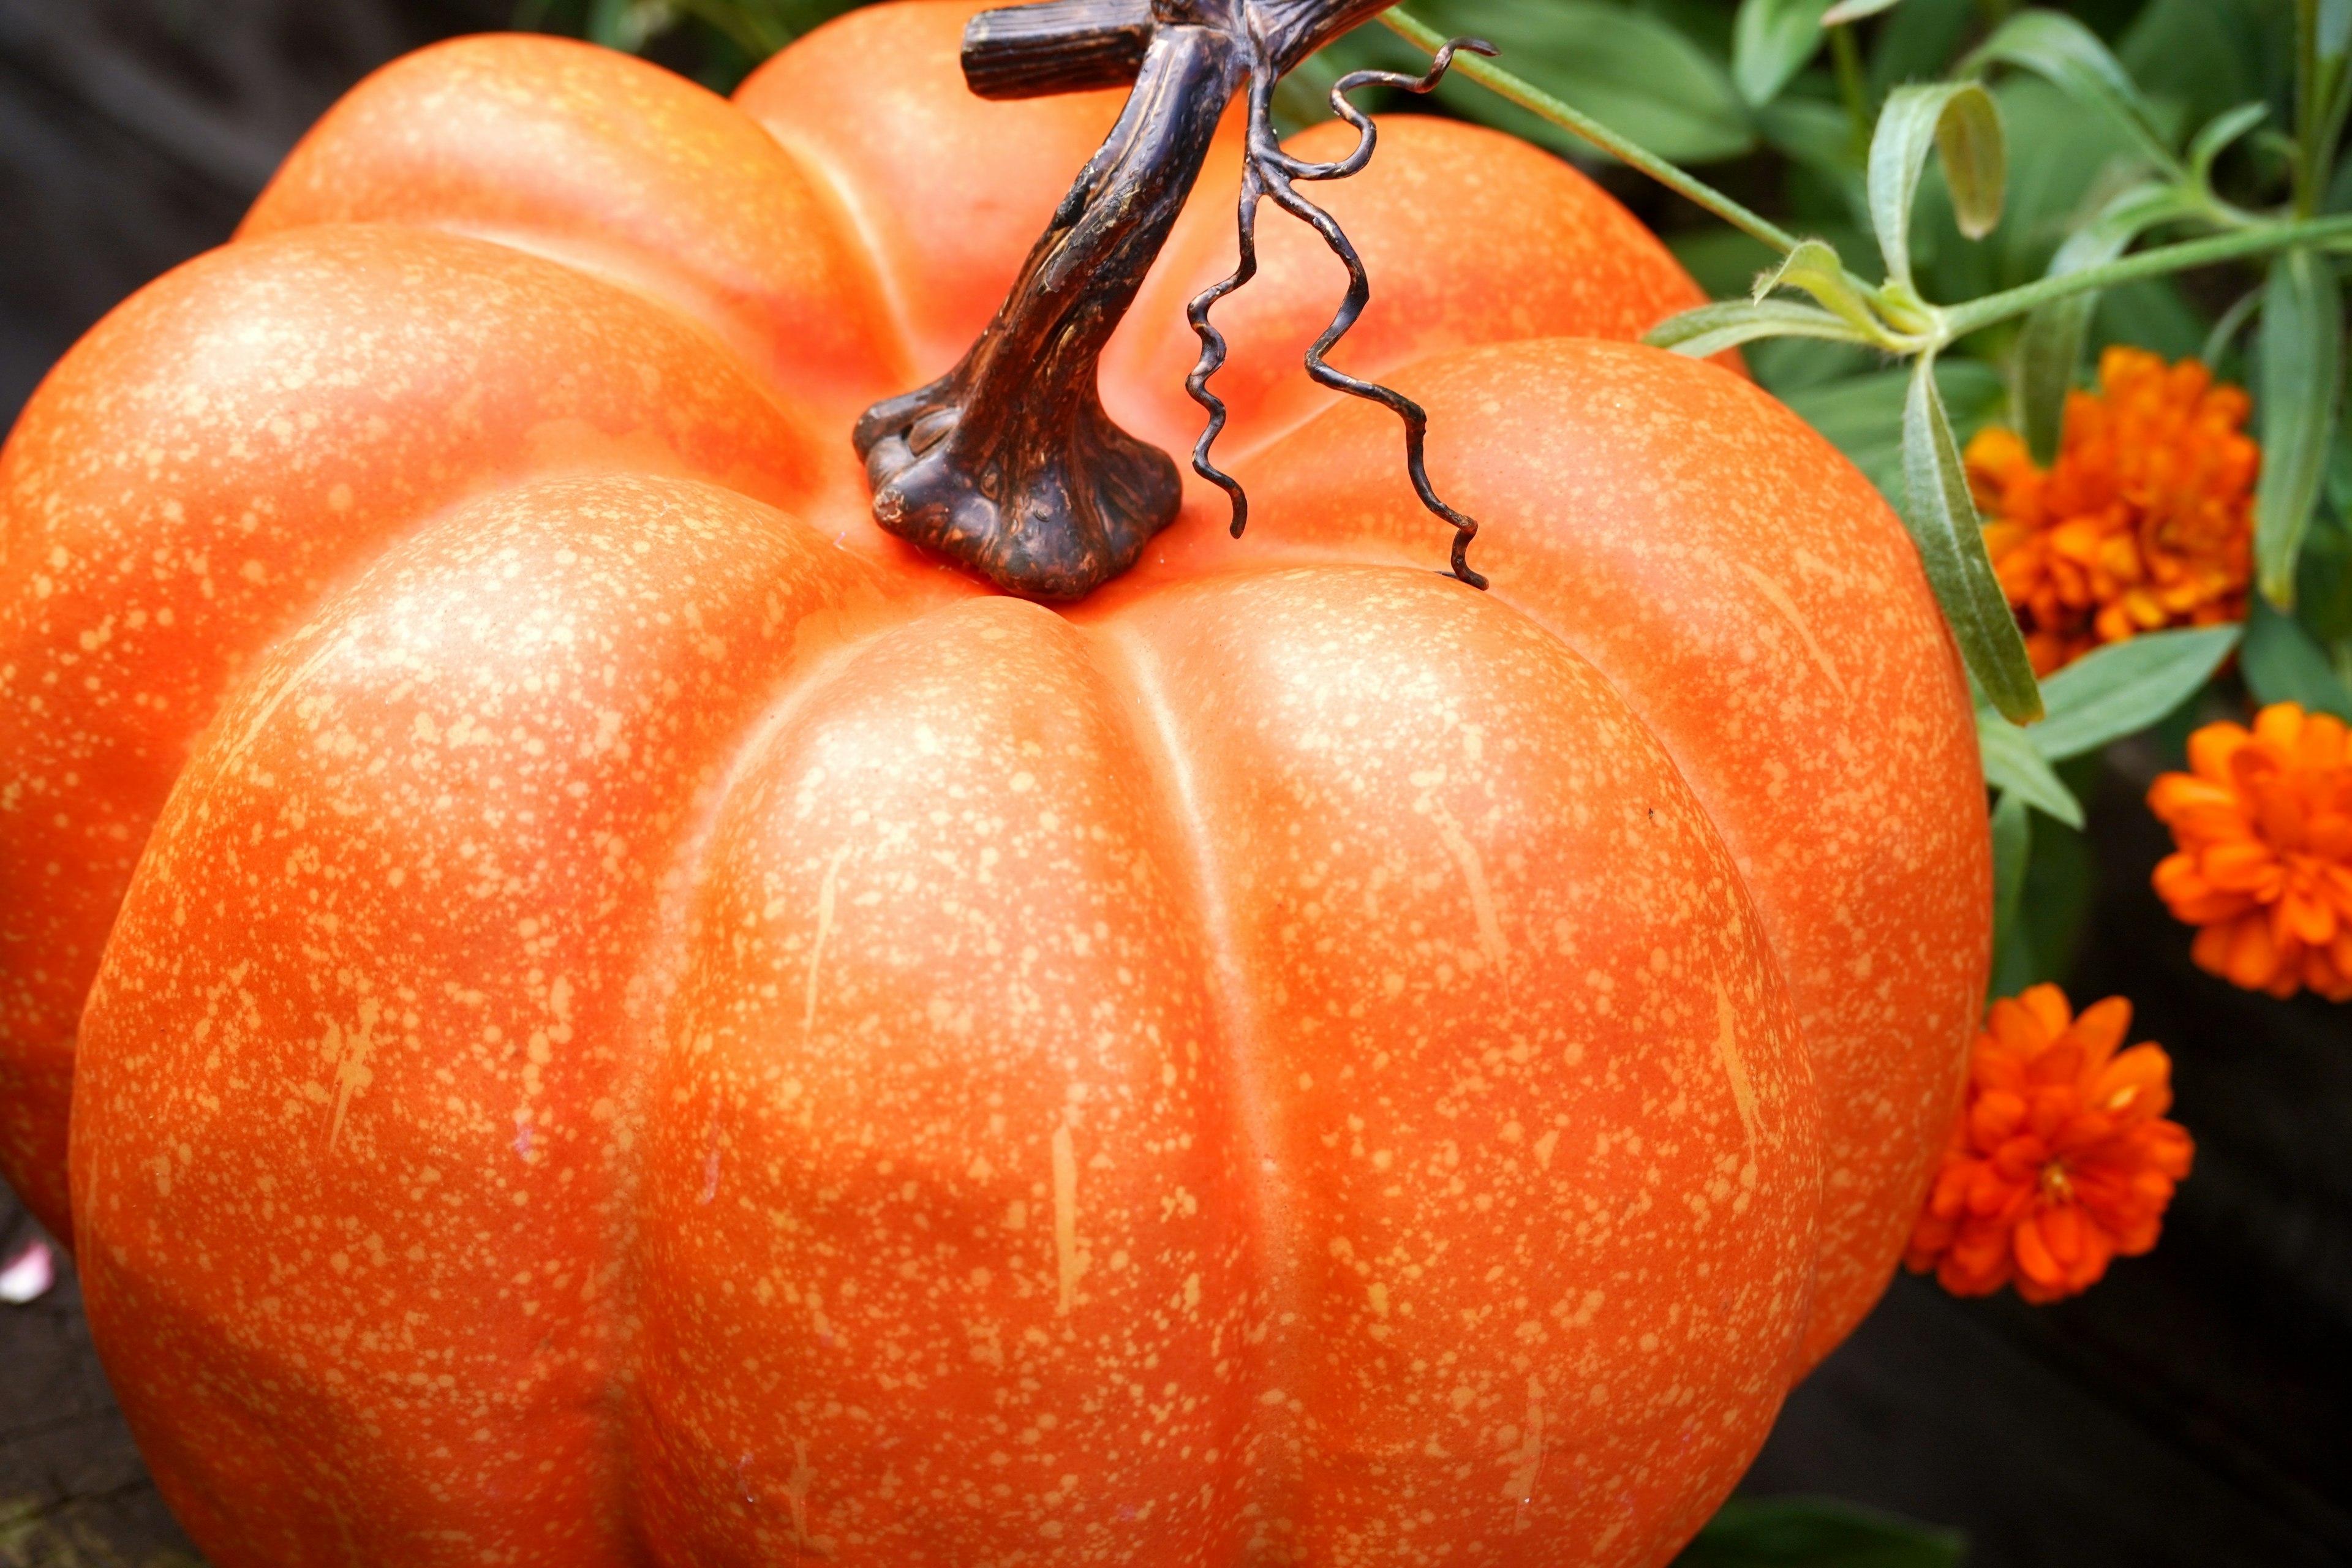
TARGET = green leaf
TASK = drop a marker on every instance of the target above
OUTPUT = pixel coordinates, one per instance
(1791, 367)
(1959, 121)
(1711, 329)
(1815, 266)
(628, 24)
(2079, 158)
(2215, 138)
(1847, 11)
(2050, 346)
(2125, 686)
(1943, 521)
(1770, 42)
(2323, 582)
(2302, 382)
(2070, 57)
(2060, 877)
(2283, 663)
(1720, 260)
(1862, 416)
(1916, 42)
(2151, 314)
(2042, 365)
(2012, 764)
(1816, 1532)
(2012, 848)
(2205, 55)
(1816, 134)
(1633, 72)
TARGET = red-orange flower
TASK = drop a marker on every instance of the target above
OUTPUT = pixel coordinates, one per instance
(2144, 522)
(2264, 827)
(2062, 1158)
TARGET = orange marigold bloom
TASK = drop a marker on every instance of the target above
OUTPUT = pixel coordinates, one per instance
(2144, 522)
(2062, 1158)
(2264, 827)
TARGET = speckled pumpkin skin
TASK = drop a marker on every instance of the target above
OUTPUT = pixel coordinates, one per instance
(630, 1019)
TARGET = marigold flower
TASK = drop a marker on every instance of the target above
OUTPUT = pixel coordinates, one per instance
(2144, 522)
(2264, 827)
(2062, 1158)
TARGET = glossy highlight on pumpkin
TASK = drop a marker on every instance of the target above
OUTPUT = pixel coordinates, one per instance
(613, 1013)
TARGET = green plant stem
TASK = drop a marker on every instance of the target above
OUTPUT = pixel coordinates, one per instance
(1537, 101)
(1959, 320)
(2308, 109)
(1853, 88)
(2225, 330)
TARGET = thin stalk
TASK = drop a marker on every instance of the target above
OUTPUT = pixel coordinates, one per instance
(2225, 330)
(1853, 88)
(2308, 109)
(1537, 101)
(1960, 319)
(2331, 128)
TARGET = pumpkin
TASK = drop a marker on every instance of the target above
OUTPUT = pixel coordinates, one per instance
(616, 1012)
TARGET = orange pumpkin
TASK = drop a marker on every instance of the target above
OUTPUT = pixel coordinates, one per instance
(625, 1015)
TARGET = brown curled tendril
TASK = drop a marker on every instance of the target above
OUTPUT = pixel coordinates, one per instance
(1269, 171)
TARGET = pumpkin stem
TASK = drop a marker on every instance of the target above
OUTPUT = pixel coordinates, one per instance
(1267, 170)
(1009, 463)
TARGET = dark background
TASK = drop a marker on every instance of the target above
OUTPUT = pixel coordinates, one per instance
(2196, 1409)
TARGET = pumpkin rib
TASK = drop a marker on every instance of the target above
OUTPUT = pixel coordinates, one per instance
(270, 729)
(898, 147)
(1888, 816)
(426, 366)
(826, 178)
(1172, 620)
(676, 1218)
(937, 688)
(613, 167)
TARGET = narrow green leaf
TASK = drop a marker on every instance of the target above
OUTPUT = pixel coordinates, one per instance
(1633, 72)
(1943, 521)
(1816, 268)
(2335, 29)
(2323, 581)
(2125, 686)
(2070, 57)
(2012, 765)
(1975, 156)
(2050, 347)
(1959, 121)
(1711, 329)
(2012, 850)
(1770, 42)
(2283, 663)
(2049, 351)
(2214, 140)
(2301, 383)
(1861, 414)
(1918, 43)
(1817, 134)
(1846, 11)
(1816, 1532)
(608, 23)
